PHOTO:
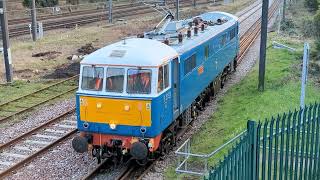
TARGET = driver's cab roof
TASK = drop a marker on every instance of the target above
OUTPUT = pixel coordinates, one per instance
(137, 52)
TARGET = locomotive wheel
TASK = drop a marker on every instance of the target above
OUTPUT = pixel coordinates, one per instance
(142, 162)
(235, 64)
(98, 158)
(97, 153)
(166, 147)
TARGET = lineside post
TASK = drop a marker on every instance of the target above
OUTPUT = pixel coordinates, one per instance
(263, 44)
(110, 11)
(5, 39)
(304, 73)
(34, 20)
(284, 11)
(177, 9)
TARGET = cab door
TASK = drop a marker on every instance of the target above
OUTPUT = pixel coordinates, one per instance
(175, 87)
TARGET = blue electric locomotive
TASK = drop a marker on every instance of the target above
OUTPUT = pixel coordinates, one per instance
(135, 94)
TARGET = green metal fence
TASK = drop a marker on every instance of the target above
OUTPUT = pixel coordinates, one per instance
(284, 147)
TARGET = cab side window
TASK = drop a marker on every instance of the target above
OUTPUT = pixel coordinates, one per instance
(223, 40)
(206, 52)
(160, 79)
(190, 64)
(166, 75)
(163, 78)
(232, 33)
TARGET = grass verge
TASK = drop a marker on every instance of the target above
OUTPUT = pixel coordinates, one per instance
(243, 101)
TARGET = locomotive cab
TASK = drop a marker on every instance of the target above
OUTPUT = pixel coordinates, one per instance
(123, 108)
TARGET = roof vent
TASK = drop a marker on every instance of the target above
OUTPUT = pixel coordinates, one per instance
(202, 27)
(195, 32)
(166, 41)
(180, 37)
(189, 33)
(118, 53)
(221, 20)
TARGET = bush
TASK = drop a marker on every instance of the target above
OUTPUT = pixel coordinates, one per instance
(317, 25)
(313, 5)
(73, 2)
(308, 29)
(40, 3)
(288, 26)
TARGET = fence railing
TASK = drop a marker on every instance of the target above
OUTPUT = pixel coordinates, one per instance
(185, 155)
(286, 147)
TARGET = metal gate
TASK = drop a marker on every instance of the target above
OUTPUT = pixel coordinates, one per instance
(285, 147)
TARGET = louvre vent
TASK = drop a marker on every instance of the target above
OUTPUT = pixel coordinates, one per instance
(117, 53)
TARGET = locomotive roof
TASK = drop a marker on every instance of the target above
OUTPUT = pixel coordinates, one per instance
(132, 52)
(209, 32)
(172, 29)
(151, 51)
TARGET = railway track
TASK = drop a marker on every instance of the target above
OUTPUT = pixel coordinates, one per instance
(136, 172)
(30, 145)
(22, 104)
(71, 14)
(35, 142)
(132, 170)
(20, 27)
(253, 32)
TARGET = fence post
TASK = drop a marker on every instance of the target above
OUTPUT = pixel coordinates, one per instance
(252, 132)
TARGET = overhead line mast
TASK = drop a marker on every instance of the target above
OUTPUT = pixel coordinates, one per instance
(5, 39)
(263, 44)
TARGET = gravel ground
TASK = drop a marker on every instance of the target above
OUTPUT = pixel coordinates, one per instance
(157, 172)
(243, 69)
(247, 23)
(12, 129)
(61, 162)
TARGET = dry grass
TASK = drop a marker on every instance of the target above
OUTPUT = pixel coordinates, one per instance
(67, 41)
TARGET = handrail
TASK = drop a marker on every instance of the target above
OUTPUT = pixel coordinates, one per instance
(187, 155)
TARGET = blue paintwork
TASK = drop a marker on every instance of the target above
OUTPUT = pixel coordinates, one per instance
(190, 85)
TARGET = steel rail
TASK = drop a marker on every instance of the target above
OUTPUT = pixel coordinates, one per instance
(91, 174)
(129, 170)
(44, 149)
(127, 174)
(30, 158)
(243, 13)
(247, 39)
(12, 113)
(95, 18)
(42, 126)
(16, 31)
(73, 13)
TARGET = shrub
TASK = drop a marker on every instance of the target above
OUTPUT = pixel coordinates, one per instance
(313, 5)
(73, 2)
(41, 3)
(308, 29)
(317, 25)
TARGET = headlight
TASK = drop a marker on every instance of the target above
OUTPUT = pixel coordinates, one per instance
(85, 125)
(113, 126)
